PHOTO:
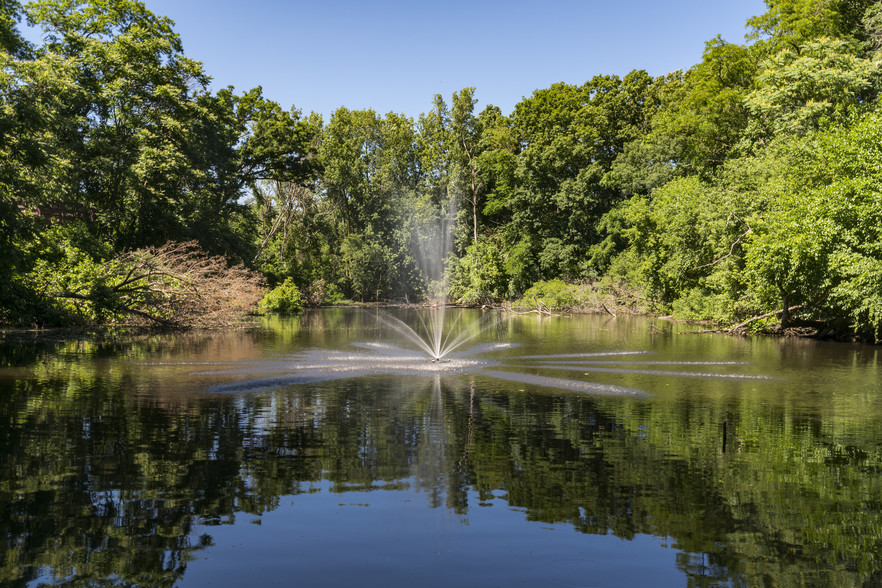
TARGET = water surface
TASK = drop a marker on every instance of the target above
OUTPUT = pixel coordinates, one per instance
(555, 451)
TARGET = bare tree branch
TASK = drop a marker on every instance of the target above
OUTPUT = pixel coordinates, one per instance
(176, 285)
(732, 248)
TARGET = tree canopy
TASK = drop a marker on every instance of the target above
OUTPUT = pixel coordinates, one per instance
(743, 186)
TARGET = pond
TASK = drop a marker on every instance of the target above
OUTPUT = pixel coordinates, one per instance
(544, 451)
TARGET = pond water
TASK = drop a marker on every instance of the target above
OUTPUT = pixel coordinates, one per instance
(548, 451)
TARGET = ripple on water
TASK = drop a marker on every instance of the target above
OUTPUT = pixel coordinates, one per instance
(376, 358)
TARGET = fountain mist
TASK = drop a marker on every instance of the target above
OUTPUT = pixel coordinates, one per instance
(433, 240)
(436, 338)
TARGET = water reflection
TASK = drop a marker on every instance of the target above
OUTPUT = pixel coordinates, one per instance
(439, 354)
(120, 467)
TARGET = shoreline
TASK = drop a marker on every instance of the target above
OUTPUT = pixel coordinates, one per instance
(617, 309)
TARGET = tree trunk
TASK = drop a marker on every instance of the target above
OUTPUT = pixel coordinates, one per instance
(785, 310)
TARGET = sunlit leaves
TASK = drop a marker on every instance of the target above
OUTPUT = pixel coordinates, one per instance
(702, 116)
(570, 136)
(790, 23)
(821, 82)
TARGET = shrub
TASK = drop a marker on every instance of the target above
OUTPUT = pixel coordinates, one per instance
(554, 294)
(479, 276)
(283, 299)
(322, 292)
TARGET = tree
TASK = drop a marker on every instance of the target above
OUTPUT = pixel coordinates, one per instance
(108, 121)
(159, 157)
(872, 28)
(296, 226)
(369, 174)
(702, 117)
(11, 41)
(570, 136)
(453, 170)
(788, 24)
(36, 128)
(821, 82)
(134, 116)
(497, 163)
(465, 145)
(434, 142)
(248, 140)
(175, 285)
(819, 243)
(479, 276)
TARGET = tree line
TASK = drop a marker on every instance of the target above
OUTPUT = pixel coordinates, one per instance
(746, 186)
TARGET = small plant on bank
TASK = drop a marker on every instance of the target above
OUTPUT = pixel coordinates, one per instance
(283, 299)
(609, 295)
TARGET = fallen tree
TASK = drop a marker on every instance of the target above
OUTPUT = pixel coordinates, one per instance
(743, 327)
(175, 286)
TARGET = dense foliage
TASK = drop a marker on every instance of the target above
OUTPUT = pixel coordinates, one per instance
(747, 186)
(283, 299)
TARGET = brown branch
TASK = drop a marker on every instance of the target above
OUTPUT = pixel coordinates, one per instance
(740, 326)
(612, 314)
(525, 312)
(732, 248)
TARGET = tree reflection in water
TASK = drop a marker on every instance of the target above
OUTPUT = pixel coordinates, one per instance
(115, 471)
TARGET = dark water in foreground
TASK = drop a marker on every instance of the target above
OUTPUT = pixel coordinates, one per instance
(579, 451)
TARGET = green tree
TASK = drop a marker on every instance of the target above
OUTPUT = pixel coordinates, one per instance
(791, 23)
(247, 140)
(570, 137)
(684, 246)
(369, 176)
(497, 164)
(11, 40)
(465, 151)
(158, 156)
(36, 127)
(819, 243)
(479, 276)
(134, 115)
(702, 118)
(822, 81)
(296, 225)
(434, 142)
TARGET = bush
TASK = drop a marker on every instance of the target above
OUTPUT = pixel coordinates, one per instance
(321, 292)
(479, 276)
(283, 299)
(699, 304)
(554, 295)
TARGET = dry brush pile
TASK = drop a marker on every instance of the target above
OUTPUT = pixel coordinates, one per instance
(176, 285)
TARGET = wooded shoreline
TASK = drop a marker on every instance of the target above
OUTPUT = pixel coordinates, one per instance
(746, 190)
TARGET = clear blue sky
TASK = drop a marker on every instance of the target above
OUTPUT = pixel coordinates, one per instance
(395, 55)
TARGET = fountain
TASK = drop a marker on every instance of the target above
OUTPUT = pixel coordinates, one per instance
(439, 342)
(433, 244)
